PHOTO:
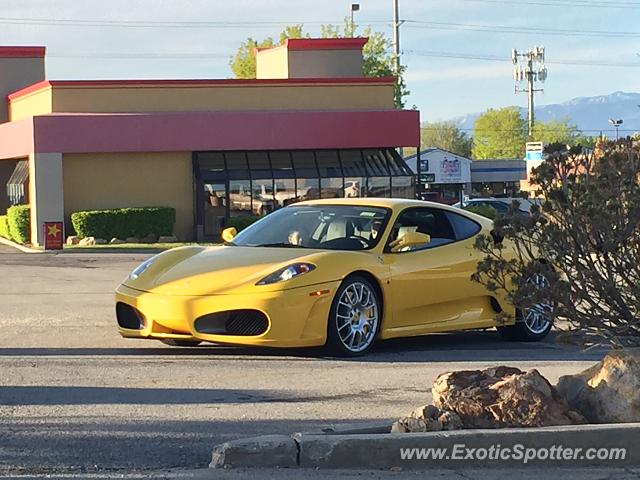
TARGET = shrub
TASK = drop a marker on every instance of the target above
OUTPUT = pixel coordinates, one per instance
(240, 223)
(587, 231)
(4, 227)
(19, 223)
(124, 222)
(484, 210)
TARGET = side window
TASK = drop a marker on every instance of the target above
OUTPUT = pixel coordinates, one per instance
(431, 221)
(463, 226)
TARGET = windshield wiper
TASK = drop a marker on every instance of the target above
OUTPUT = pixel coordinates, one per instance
(279, 244)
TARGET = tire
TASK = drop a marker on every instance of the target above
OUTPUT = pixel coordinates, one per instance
(174, 342)
(532, 324)
(354, 318)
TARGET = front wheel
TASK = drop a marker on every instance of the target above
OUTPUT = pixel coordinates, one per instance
(174, 342)
(355, 317)
(533, 323)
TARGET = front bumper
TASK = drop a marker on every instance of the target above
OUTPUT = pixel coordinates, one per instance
(296, 317)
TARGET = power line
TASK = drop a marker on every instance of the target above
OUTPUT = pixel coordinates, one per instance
(502, 58)
(564, 3)
(161, 24)
(519, 30)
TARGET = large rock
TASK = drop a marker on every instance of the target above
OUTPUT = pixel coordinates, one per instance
(167, 239)
(502, 397)
(608, 392)
(427, 419)
(132, 240)
(149, 238)
(87, 242)
(73, 240)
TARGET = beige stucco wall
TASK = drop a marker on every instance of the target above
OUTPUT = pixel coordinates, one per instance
(343, 96)
(272, 63)
(118, 180)
(46, 192)
(325, 63)
(36, 103)
(17, 73)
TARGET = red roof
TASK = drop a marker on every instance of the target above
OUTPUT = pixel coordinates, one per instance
(22, 52)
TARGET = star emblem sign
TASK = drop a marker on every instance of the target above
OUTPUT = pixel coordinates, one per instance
(53, 230)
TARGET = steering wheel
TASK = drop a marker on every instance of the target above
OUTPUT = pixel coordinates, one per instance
(364, 242)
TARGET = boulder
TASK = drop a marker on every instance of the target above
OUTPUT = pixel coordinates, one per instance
(101, 241)
(116, 241)
(427, 419)
(87, 242)
(149, 238)
(608, 392)
(167, 239)
(132, 240)
(502, 397)
(73, 240)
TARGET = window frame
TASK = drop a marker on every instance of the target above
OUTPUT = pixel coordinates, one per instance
(387, 249)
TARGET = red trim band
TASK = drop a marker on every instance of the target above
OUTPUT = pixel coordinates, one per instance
(22, 52)
(326, 43)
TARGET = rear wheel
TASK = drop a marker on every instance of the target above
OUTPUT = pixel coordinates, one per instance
(354, 319)
(533, 323)
(174, 342)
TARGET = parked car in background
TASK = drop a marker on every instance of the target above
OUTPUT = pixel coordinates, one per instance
(500, 205)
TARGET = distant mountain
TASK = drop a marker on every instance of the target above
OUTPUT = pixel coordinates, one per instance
(590, 114)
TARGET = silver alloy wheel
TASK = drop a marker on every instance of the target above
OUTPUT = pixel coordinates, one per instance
(538, 317)
(357, 317)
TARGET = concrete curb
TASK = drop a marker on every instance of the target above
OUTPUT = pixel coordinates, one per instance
(383, 450)
(22, 248)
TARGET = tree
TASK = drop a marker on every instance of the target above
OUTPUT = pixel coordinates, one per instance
(377, 61)
(499, 134)
(447, 136)
(556, 131)
(584, 239)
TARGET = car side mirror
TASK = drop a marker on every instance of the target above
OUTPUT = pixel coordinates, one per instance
(410, 240)
(228, 234)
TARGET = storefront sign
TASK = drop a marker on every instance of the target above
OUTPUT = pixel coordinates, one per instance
(53, 235)
(427, 177)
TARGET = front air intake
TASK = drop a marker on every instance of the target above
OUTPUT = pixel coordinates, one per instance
(129, 317)
(246, 323)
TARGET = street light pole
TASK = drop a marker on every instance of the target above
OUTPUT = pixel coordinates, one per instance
(616, 124)
(396, 34)
(355, 7)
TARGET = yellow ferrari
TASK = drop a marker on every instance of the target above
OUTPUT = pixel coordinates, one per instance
(341, 273)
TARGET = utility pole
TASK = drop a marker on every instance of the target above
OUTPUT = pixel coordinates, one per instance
(355, 7)
(396, 34)
(531, 70)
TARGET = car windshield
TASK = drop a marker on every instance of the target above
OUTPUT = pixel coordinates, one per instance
(331, 227)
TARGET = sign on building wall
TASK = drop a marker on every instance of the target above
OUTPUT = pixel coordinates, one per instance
(53, 235)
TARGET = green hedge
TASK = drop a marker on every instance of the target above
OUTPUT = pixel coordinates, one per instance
(19, 223)
(484, 210)
(240, 223)
(124, 222)
(4, 227)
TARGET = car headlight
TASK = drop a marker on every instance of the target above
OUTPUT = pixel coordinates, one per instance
(139, 270)
(287, 273)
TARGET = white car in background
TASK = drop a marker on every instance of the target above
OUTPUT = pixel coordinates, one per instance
(500, 205)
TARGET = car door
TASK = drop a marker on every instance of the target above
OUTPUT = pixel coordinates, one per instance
(430, 284)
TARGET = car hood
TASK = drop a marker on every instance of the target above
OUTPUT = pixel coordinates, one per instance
(223, 270)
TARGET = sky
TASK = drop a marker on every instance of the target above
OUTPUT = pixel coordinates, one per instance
(591, 45)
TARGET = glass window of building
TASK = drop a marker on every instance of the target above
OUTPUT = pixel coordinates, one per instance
(215, 211)
(352, 163)
(376, 163)
(304, 163)
(263, 199)
(285, 192)
(281, 164)
(328, 163)
(259, 165)
(308, 189)
(332, 187)
(237, 166)
(402, 187)
(240, 198)
(379, 187)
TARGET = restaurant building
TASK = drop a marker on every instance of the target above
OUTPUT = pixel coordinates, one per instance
(310, 126)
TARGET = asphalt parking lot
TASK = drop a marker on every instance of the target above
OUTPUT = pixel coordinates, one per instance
(75, 398)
